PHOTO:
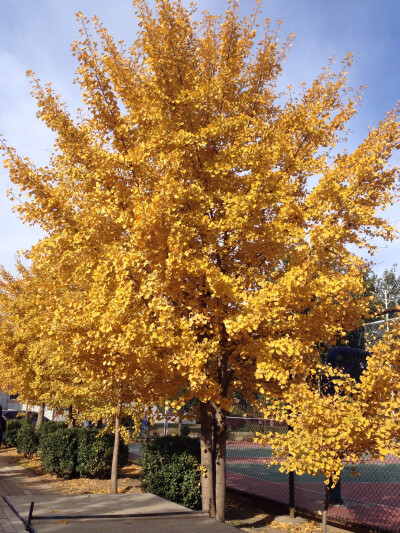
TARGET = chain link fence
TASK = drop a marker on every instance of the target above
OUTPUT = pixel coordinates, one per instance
(368, 495)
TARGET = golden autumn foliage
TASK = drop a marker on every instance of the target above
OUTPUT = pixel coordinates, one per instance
(354, 422)
(23, 361)
(198, 220)
(28, 364)
(41, 364)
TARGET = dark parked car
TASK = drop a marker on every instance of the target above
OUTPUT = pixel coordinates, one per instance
(10, 414)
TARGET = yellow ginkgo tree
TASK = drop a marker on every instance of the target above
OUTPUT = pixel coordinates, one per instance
(199, 218)
(54, 360)
(27, 366)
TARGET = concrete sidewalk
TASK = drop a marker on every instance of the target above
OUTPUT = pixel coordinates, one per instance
(112, 513)
(16, 481)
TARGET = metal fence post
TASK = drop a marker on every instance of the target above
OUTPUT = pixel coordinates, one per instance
(291, 494)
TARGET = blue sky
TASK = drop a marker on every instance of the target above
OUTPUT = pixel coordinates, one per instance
(36, 35)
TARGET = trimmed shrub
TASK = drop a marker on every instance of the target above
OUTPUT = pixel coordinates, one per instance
(174, 445)
(27, 438)
(58, 451)
(49, 427)
(171, 469)
(13, 426)
(79, 451)
(95, 452)
(185, 430)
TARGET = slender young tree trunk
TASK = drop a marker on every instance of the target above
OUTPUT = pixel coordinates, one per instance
(40, 417)
(220, 432)
(325, 510)
(71, 419)
(214, 454)
(114, 464)
(220, 464)
(206, 445)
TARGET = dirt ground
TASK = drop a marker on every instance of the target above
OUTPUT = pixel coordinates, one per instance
(242, 513)
(253, 518)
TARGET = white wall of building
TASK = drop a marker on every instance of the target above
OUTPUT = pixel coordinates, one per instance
(8, 403)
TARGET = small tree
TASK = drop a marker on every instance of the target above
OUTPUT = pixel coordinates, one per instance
(356, 416)
(38, 359)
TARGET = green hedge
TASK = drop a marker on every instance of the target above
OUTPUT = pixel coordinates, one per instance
(95, 453)
(58, 451)
(27, 438)
(173, 445)
(48, 427)
(171, 469)
(12, 429)
(79, 452)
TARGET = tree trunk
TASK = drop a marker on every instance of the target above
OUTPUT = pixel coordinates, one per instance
(40, 417)
(70, 418)
(114, 465)
(206, 445)
(325, 510)
(220, 464)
